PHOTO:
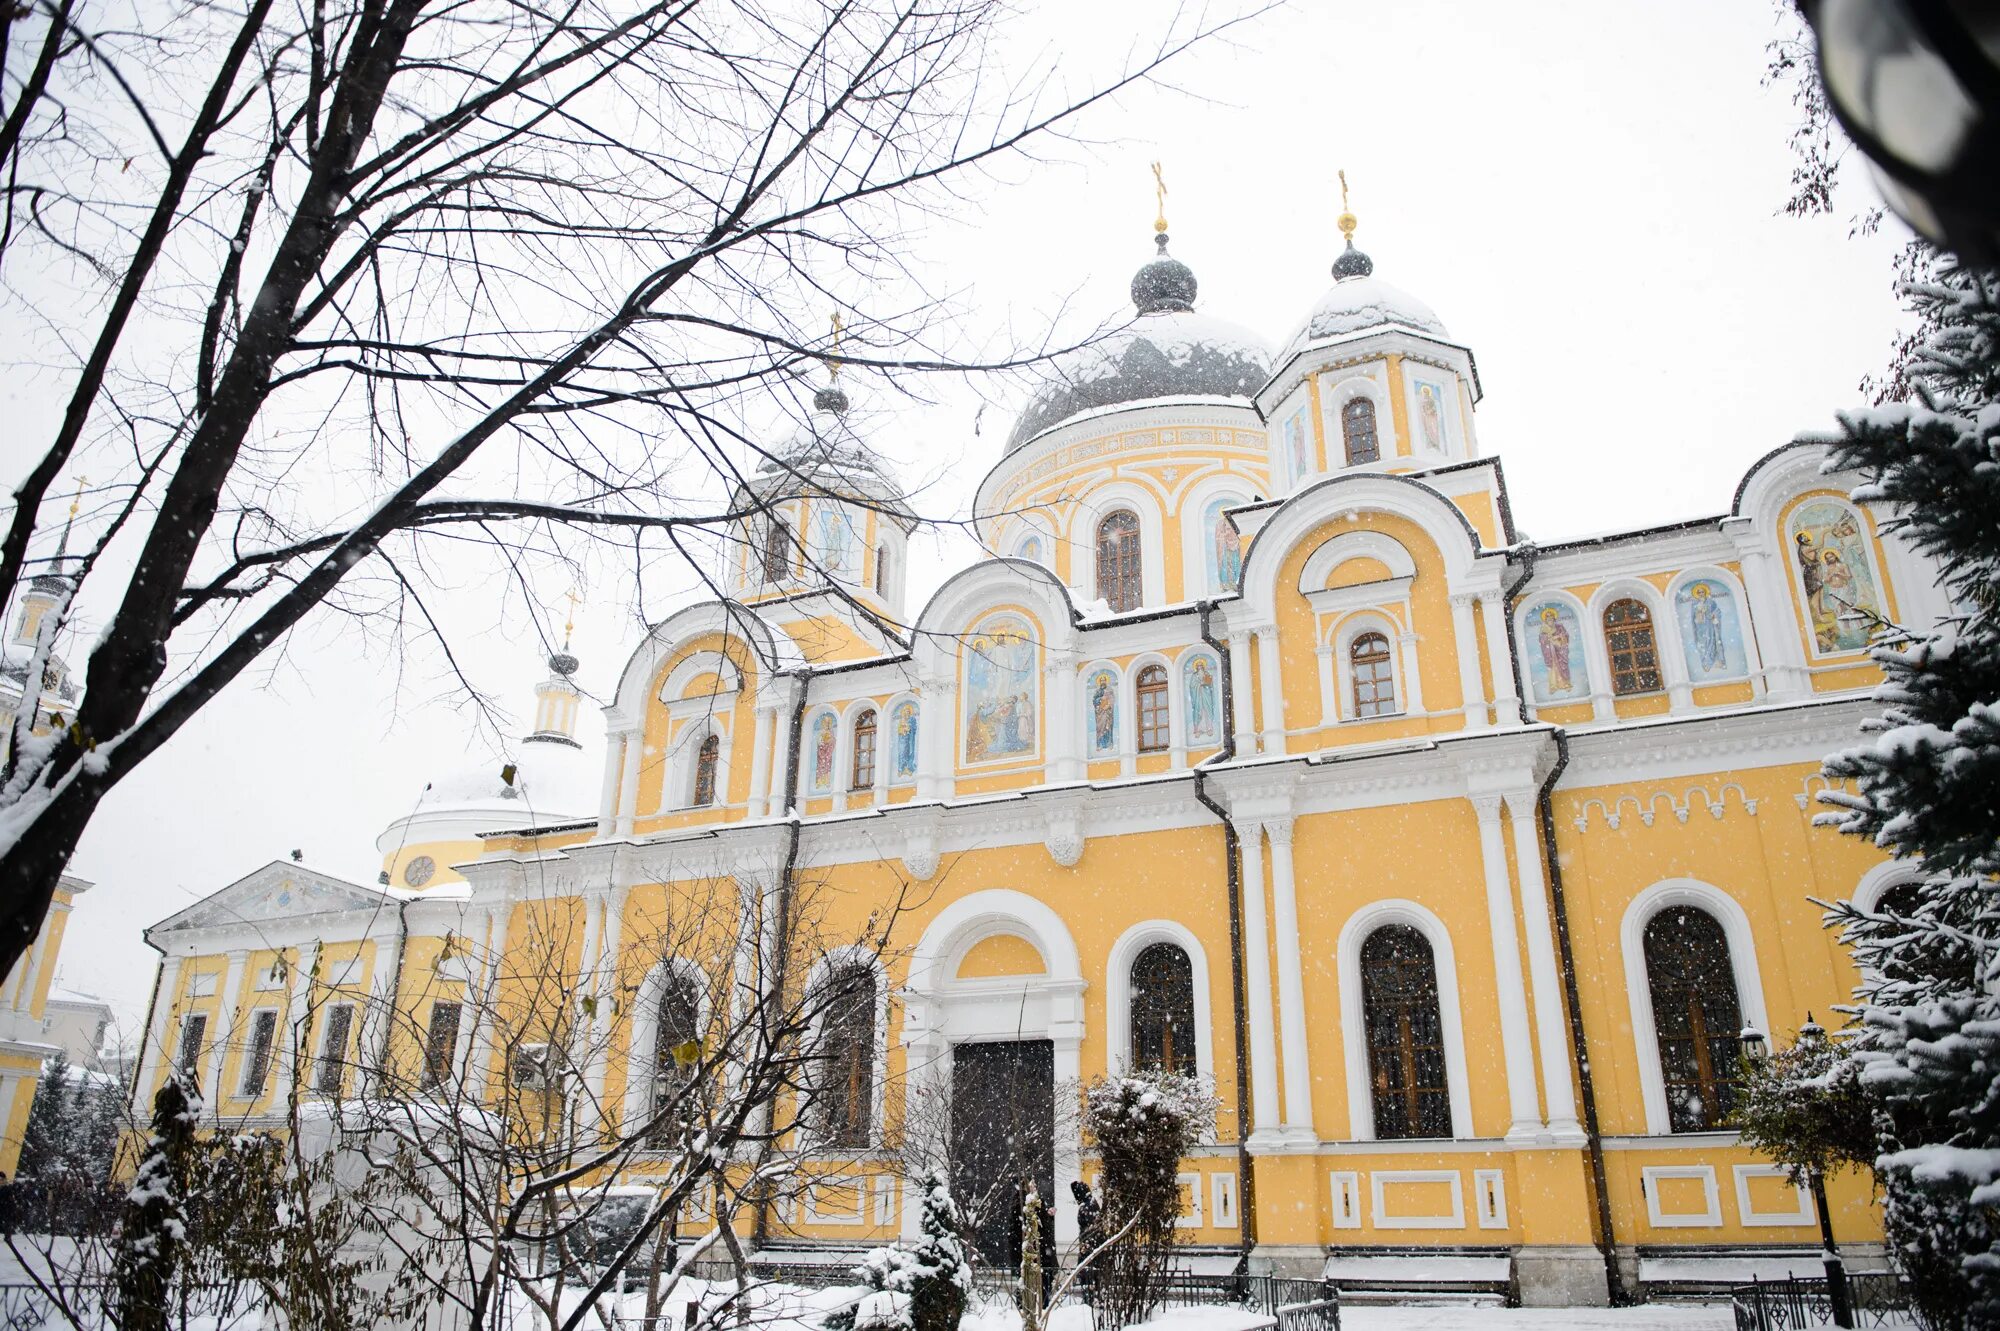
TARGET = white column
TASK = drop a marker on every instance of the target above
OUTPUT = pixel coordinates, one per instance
(156, 1039)
(225, 1025)
(1516, 1050)
(1273, 739)
(1064, 725)
(297, 1048)
(1551, 1034)
(760, 762)
(1474, 695)
(775, 795)
(1506, 703)
(605, 987)
(628, 781)
(1264, 1108)
(1328, 713)
(1239, 689)
(378, 1019)
(1412, 679)
(1291, 983)
(936, 740)
(614, 764)
(484, 1002)
(1767, 585)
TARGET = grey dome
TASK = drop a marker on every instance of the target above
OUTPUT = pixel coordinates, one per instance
(1355, 304)
(827, 455)
(1167, 351)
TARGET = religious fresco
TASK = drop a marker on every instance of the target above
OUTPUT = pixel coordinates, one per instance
(1031, 548)
(836, 541)
(903, 742)
(1001, 672)
(1100, 710)
(1556, 669)
(1711, 631)
(1296, 454)
(822, 752)
(1204, 713)
(1836, 575)
(1225, 545)
(1430, 414)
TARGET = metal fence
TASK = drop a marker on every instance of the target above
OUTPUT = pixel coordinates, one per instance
(1801, 1303)
(1299, 1305)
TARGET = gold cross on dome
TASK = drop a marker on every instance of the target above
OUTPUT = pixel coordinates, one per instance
(1160, 196)
(569, 625)
(1343, 189)
(833, 361)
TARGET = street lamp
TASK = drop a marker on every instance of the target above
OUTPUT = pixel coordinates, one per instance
(1916, 85)
(1757, 1048)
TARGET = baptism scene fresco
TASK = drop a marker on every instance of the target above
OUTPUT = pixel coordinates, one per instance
(1836, 575)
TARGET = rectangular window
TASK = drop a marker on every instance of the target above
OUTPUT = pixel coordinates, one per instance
(441, 1044)
(333, 1049)
(257, 1058)
(194, 1034)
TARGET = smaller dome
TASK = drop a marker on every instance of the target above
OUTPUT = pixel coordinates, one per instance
(827, 455)
(1164, 284)
(1355, 304)
(1352, 263)
(552, 783)
(563, 664)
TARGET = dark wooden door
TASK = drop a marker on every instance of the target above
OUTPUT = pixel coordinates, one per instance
(1002, 1133)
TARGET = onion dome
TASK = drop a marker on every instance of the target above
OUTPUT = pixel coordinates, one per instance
(827, 455)
(1168, 350)
(1358, 301)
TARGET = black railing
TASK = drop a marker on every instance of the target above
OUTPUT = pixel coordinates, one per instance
(1801, 1303)
(1272, 1295)
(1318, 1315)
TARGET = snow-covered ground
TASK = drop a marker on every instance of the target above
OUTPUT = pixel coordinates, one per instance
(1648, 1317)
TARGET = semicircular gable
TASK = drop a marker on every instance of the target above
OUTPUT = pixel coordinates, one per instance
(1304, 513)
(768, 649)
(992, 584)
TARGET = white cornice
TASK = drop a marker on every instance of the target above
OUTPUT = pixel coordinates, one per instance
(1779, 735)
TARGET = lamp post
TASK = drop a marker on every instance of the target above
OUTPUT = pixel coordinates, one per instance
(1916, 85)
(1756, 1049)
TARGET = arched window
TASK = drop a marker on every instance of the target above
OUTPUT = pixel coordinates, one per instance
(1118, 562)
(1163, 1009)
(676, 1052)
(882, 570)
(1696, 1015)
(1628, 636)
(862, 777)
(1357, 430)
(1155, 730)
(1374, 681)
(777, 549)
(1399, 1004)
(705, 760)
(845, 1093)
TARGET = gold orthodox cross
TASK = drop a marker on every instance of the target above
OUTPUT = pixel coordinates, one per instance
(833, 361)
(569, 625)
(1160, 196)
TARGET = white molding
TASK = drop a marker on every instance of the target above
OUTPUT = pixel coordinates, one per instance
(1345, 1185)
(878, 1089)
(1379, 1178)
(1118, 993)
(1193, 1217)
(859, 1216)
(1133, 491)
(643, 1027)
(1799, 1215)
(1222, 1209)
(1650, 1175)
(1489, 1198)
(1735, 922)
(1353, 1030)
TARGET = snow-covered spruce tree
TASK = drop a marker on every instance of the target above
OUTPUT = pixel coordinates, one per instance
(153, 1230)
(1142, 1125)
(934, 1275)
(63, 1183)
(1926, 785)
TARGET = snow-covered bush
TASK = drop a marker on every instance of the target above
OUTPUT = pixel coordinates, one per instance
(153, 1231)
(930, 1281)
(1926, 785)
(1142, 1125)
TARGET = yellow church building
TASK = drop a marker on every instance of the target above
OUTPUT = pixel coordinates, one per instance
(1261, 747)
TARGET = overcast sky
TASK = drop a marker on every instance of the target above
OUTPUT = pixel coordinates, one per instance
(1585, 193)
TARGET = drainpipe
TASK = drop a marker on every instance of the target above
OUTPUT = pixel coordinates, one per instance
(760, 1232)
(395, 995)
(1552, 868)
(1245, 1163)
(152, 1010)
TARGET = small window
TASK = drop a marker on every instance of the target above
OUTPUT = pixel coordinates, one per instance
(1119, 579)
(705, 760)
(1155, 731)
(846, 1091)
(1697, 1016)
(257, 1059)
(777, 549)
(862, 773)
(1163, 1009)
(333, 1049)
(1374, 681)
(1357, 430)
(194, 1034)
(1628, 635)
(441, 1044)
(1399, 1005)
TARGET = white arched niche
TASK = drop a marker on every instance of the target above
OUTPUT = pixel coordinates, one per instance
(644, 1030)
(1353, 1020)
(1118, 993)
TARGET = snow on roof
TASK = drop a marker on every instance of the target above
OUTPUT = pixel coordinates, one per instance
(1356, 303)
(552, 782)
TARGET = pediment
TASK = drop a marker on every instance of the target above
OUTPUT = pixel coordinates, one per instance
(279, 891)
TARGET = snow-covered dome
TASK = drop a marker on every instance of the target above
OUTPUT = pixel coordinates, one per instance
(552, 783)
(1358, 300)
(1167, 351)
(827, 454)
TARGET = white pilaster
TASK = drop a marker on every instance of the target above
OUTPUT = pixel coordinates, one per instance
(760, 762)
(378, 1018)
(604, 989)
(1551, 1034)
(1767, 585)
(1064, 723)
(1291, 985)
(607, 803)
(1273, 738)
(481, 1013)
(1516, 1049)
(1264, 1106)
(1239, 699)
(1506, 703)
(1328, 714)
(628, 781)
(156, 1039)
(225, 1026)
(937, 740)
(295, 1047)
(1471, 691)
(1412, 679)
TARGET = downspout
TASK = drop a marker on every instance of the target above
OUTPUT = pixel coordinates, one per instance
(1245, 1162)
(395, 994)
(1607, 1242)
(146, 1031)
(760, 1232)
